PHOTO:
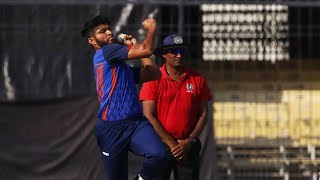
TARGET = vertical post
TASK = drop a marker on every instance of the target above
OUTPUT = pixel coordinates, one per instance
(230, 172)
(312, 151)
(180, 16)
(283, 169)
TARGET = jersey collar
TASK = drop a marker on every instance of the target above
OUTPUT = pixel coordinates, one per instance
(165, 75)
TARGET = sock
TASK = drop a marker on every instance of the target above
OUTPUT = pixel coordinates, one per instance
(139, 177)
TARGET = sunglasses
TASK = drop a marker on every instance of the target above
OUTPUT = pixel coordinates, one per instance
(176, 51)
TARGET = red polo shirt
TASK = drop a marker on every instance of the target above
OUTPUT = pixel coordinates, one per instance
(178, 103)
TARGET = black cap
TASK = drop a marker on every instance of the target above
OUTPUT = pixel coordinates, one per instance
(92, 23)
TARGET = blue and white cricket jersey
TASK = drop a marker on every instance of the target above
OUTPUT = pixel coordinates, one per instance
(115, 84)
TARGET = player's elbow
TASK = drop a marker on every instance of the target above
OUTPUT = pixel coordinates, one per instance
(147, 52)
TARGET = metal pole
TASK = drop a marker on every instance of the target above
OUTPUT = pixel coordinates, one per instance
(180, 17)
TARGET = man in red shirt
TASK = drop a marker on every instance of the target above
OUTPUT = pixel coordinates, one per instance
(177, 105)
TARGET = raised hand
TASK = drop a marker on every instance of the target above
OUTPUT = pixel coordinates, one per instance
(128, 39)
(149, 24)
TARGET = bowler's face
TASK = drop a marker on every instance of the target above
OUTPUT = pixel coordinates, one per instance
(102, 35)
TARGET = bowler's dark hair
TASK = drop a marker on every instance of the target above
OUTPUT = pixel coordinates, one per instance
(91, 24)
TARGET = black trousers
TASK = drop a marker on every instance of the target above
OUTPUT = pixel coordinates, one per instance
(186, 169)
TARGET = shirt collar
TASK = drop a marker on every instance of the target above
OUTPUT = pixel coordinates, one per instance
(165, 75)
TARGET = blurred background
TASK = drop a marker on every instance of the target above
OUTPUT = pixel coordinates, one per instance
(260, 58)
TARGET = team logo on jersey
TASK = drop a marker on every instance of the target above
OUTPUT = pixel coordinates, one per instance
(189, 87)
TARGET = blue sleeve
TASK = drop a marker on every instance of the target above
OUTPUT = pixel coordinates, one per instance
(115, 52)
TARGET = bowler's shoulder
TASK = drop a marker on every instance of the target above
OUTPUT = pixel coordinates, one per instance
(113, 46)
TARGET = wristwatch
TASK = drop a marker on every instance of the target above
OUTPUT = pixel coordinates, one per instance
(192, 139)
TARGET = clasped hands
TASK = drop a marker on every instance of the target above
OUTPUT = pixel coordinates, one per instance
(179, 151)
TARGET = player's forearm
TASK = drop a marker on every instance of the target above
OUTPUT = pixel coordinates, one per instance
(201, 123)
(146, 48)
(149, 42)
(164, 135)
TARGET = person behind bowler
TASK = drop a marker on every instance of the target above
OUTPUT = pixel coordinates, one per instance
(122, 126)
(177, 106)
